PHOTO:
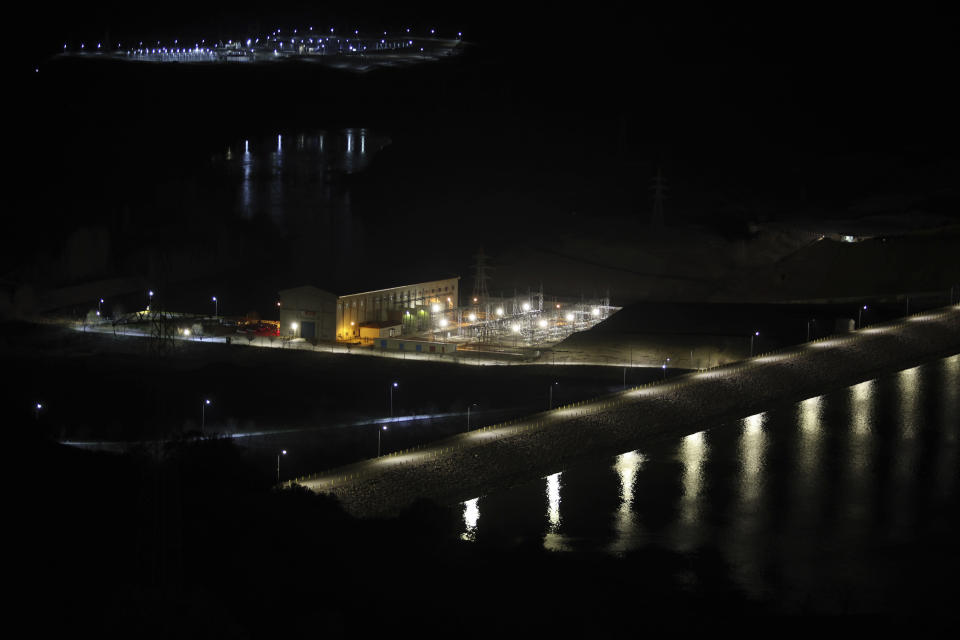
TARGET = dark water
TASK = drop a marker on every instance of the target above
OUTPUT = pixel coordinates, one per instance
(810, 505)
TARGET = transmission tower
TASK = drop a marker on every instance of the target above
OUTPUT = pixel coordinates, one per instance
(659, 188)
(481, 278)
(162, 328)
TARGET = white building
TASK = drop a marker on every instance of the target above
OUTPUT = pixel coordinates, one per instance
(308, 312)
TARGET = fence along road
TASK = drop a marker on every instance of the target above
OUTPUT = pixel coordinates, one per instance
(471, 464)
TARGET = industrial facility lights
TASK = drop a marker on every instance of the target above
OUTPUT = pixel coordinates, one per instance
(499, 311)
(596, 311)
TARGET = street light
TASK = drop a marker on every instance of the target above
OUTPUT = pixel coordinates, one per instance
(860, 316)
(215, 307)
(203, 415)
(100, 306)
(149, 299)
(379, 433)
(392, 387)
(36, 411)
(755, 335)
(474, 404)
(809, 322)
(551, 394)
(283, 452)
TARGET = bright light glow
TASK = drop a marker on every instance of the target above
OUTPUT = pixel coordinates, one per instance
(569, 317)
(499, 311)
(542, 323)
(553, 500)
(526, 306)
(471, 513)
(186, 332)
(596, 311)
(293, 325)
(435, 308)
(516, 328)
(206, 402)
(472, 317)
(443, 322)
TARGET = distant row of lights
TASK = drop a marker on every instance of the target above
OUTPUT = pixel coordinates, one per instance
(273, 35)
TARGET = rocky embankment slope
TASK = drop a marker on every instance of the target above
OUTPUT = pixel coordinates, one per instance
(475, 463)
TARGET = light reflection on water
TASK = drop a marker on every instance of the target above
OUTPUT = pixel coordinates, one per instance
(692, 455)
(741, 540)
(947, 444)
(471, 514)
(626, 525)
(793, 498)
(282, 179)
(553, 540)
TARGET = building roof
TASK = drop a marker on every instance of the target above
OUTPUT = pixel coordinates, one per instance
(399, 286)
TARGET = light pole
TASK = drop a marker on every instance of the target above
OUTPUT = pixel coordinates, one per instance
(380, 433)
(663, 368)
(392, 387)
(860, 316)
(551, 394)
(203, 414)
(808, 328)
(99, 306)
(36, 411)
(283, 452)
(756, 334)
(468, 414)
(149, 299)
(216, 307)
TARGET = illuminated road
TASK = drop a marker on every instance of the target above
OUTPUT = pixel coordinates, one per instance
(461, 356)
(117, 445)
(465, 466)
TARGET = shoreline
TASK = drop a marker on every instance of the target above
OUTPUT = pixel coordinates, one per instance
(475, 463)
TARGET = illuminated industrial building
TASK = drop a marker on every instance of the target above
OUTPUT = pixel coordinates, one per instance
(413, 307)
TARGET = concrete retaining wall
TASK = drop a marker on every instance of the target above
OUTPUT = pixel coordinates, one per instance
(475, 463)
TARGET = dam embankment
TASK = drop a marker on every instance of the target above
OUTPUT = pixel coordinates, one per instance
(475, 463)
